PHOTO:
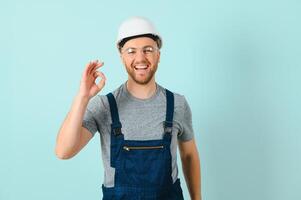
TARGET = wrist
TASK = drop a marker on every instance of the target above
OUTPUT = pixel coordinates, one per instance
(82, 98)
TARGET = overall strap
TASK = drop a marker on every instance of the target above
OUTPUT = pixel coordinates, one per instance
(169, 111)
(116, 125)
(116, 135)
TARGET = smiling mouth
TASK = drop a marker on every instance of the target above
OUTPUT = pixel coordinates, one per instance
(140, 67)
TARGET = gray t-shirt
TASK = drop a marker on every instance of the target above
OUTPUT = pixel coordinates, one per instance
(141, 119)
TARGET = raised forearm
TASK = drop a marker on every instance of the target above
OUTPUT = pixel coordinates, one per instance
(69, 132)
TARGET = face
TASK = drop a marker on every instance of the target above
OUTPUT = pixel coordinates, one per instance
(140, 57)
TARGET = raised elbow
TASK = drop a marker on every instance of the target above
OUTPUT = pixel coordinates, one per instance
(62, 155)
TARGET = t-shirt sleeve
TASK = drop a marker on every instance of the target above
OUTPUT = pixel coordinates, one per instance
(187, 132)
(89, 121)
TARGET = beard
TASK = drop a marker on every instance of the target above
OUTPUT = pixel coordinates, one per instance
(142, 79)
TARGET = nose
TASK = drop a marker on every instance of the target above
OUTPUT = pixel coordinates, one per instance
(140, 56)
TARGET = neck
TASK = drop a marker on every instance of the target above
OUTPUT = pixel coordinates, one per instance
(141, 91)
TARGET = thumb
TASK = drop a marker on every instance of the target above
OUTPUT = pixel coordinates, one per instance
(102, 82)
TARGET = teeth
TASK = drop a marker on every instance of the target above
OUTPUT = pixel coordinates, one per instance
(140, 66)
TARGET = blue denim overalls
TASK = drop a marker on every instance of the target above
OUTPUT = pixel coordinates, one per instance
(142, 168)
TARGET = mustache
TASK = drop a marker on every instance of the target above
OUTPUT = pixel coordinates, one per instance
(140, 63)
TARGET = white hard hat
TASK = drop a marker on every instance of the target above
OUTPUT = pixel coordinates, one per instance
(137, 26)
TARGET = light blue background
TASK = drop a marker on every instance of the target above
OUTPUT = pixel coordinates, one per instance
(237, 62)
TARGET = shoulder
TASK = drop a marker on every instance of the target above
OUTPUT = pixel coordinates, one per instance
(179, 99)
(102, 99)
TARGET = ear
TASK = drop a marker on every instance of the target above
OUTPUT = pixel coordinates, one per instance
(122, 59)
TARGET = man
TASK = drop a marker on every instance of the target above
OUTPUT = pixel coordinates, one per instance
(140, 124)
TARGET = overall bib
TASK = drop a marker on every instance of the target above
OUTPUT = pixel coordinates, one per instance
(142, 167)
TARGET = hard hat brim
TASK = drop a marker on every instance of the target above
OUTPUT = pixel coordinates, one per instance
(156, 38)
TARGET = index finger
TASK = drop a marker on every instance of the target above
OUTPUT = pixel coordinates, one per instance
(100, 64)
(90, 66)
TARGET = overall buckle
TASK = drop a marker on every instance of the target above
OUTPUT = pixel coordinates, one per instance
(167, 127)
(116, 129)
